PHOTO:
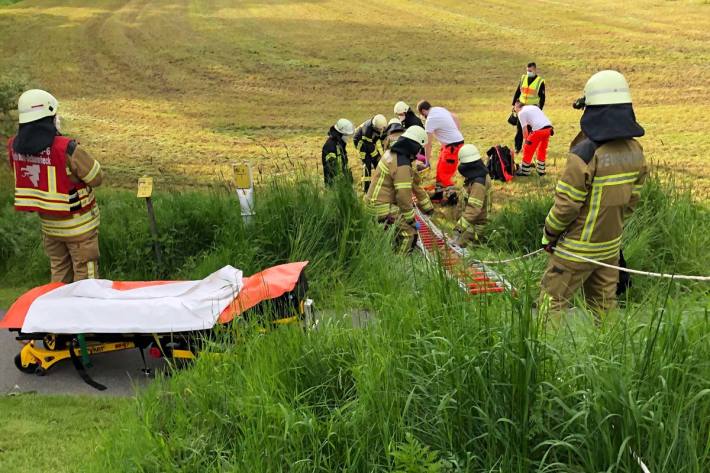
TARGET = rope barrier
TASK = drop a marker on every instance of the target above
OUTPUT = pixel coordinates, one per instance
(583, 258)
(510, 260)
(634, 271)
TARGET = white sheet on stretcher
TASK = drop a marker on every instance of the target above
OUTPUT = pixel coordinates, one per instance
(93, 306)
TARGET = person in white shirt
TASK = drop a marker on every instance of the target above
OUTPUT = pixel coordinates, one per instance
(537, 130)
(445, 126)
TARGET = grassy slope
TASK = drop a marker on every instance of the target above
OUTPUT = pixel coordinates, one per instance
(223, 80)
(50, 433)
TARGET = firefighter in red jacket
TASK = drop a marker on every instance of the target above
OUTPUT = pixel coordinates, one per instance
(55, 177)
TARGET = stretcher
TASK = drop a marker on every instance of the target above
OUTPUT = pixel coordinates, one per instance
(273, 297)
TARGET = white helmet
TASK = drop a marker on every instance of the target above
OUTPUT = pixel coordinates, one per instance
(469, 154)
(416, 133)
(36, 104)
(344, 127)
(606, 88)
(379, 123)
(400, 108)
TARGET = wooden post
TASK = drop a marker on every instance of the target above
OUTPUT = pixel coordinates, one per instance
(145, 191)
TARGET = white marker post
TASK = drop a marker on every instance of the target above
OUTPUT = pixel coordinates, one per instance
(244, 184)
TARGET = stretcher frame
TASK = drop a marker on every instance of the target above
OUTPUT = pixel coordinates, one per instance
(34, 358)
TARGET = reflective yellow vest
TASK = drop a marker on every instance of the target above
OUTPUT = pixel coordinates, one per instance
(529, 92)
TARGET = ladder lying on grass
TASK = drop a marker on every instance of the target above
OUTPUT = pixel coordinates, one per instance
(473, 277)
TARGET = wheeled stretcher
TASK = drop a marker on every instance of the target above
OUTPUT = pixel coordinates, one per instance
(275, 296)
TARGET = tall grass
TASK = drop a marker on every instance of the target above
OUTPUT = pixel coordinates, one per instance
(201, 232)
(439, 381)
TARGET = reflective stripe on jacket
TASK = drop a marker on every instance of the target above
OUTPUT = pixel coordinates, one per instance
(44, 182)
(366, 140)
(598, 191)
(75, 226)
(474, 203)
(529, 93)
(391, 188)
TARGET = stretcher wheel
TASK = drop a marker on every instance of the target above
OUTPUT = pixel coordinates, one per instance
(29, 369)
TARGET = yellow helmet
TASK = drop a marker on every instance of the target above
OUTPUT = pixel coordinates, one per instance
(400, 108)
(469, 154)
(416, 133)
(36, 104)
(606, 88)
(379, 123)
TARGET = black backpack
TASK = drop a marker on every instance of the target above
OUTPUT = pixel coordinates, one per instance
(501, 165)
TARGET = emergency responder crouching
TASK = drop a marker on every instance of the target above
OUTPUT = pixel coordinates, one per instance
(598, 191)
(392, 133)
(474, 201)
(389, 198)
(334, 155)
(55, 177)
(366, 139)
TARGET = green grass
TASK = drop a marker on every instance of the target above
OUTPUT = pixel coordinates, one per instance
(482, 384)
(439, 381)
(52, 433)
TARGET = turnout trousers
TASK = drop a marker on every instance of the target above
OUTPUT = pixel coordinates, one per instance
(75, 259)
(562, 278)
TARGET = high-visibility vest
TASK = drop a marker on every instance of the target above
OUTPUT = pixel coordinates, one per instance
(529, 93)
(42, 182)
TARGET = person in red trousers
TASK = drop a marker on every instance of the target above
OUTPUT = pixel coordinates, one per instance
(537, 130)
(445, 126)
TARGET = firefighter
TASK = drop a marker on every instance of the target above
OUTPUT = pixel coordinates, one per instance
(366, 139)
(530, 91)
(598, 191)
(389, 198)
(474, 200)
(406, 116)
(392, 133)
(537, 130)
(445, 126)
(55, 177)
(335, 156)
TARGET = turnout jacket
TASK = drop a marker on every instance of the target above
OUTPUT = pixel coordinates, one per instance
(599, 189)
(334, 157)
(474, 202)
(72, 182)
(391, 189)
(365, 140)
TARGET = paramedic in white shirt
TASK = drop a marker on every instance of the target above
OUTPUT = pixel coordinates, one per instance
(445, 126)
(537, 130)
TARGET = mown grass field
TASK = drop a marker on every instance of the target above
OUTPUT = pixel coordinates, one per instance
(179, 89)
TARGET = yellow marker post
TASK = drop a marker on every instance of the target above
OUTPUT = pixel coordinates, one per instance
(145, 191)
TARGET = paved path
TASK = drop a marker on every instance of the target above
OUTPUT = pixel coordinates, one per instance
(120, 372)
